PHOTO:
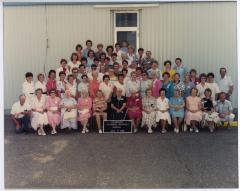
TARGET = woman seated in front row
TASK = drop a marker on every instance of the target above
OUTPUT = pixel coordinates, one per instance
(39, 115)
(177, 105)
(100, 109)
(68, 111)
(84, 109)
(118, 106)
(162, 115)
(210, 117)
(193, 110)
(148, 111)
(134, 107)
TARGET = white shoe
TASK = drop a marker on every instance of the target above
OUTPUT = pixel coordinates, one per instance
(54, 132)
(150, 131)
(86, 129)
(196, 130)
(43, 133)
(100, 131)
(39, 132)
(191, 129)
(185, 127)
(164, 131)
(176, 130)
(135, 130)
(83, 131)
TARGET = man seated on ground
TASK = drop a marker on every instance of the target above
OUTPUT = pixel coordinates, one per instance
(20, 113)
(225, 109)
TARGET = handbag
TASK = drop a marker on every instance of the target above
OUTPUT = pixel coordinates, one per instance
(69, 115)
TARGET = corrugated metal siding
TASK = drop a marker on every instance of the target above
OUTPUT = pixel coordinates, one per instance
(203, 34)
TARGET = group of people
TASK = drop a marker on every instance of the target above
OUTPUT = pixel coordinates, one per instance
(120, 84)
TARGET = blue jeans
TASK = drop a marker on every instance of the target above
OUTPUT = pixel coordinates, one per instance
(24, 121)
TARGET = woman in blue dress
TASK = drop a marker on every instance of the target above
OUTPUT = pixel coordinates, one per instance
(188, 85)
(176, 104)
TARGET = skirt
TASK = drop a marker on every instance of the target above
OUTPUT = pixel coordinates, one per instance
(149, 119)
(53, 118)
(163, 116)
(134, 114)
(38, 119)
(193, 117)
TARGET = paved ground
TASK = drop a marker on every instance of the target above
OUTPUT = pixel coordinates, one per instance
(186, 160)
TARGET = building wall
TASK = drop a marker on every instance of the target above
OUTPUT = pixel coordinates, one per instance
(37, 37)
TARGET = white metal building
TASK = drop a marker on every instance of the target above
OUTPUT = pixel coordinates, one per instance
(37, 36)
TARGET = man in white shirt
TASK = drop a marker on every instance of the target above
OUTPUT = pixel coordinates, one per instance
(225, 83)
(20, 113)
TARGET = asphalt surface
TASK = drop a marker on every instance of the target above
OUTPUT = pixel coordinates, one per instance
(185, 160)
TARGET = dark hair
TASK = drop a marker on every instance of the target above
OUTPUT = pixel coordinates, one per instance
(202, 75)
(100, 45)
(73, 54)
(115, 63)
(82, 65)
(193, 70)
(28, 74)
(62, 72)
(120, 74)
(50, 72)
(117, 44)
(166, 62)
(93, 65)
(139, 68)
(155, 61)
(83, 59)
(107, 58)
(124, 70)
(88, 42)
(210, 74)
(75, 68)
(84, 75)
(95, 59)
(194, 88)
(105, 76)
(78, 46)
(140, 49)
(113, 54)
(208, 90)
(145, 72)
(167, 73)
(39, 89)
(109, 46)
(222, 93)
(69, 76)
(90, 52)
(103, 53)
(178, 59)
(125, 62)
(162, 89)
(63, 60)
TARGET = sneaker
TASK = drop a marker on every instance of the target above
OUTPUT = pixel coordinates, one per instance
(164, 130)
(196, 130)
(54, 132)
(43, 133)
(176, 130)
(83, 131)
(135, 130)
(100, 131)
(150, 131)
(191, 129)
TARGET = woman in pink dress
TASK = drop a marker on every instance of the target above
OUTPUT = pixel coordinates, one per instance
(84, 109)
(94, 85)
(156, 84)
(194, 113)
(134, 109)
(53, 110)
(51, 83)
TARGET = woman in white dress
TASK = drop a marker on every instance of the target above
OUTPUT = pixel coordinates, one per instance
(39, 115)
(28, 87)
(74, 63)
(68, 111)
(162, 114)
(71, 86)
(41, 84)
(132, 84)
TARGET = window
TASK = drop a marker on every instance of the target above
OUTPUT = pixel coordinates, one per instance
(126, 27)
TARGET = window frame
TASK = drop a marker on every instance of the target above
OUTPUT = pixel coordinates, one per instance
(126, 29)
